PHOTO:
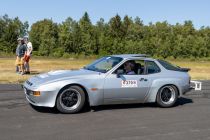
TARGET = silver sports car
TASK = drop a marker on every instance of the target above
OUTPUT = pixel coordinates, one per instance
(115, 79)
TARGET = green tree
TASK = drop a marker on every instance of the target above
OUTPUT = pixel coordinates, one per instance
(65, 35)
(87, 34)
(44, 36)
(9, 32)
(116, 36)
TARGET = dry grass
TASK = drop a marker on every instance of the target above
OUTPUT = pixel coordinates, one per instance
(8, 75)
(199, 69)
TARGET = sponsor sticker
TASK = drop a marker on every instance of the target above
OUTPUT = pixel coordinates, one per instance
(129, 83)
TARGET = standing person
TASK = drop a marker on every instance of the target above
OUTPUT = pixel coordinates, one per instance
(17, 52)
(20, 59)
(28, 54)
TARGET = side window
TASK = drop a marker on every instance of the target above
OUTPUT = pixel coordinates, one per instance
(139, 67)
(132, 67)
(152, 67)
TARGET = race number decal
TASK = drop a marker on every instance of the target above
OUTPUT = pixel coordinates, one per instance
(129, 83)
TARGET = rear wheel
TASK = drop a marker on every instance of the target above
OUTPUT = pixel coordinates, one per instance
(71, 100)
(167, 96)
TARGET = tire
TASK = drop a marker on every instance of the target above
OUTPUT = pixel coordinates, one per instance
(167, 96)
(70, 100)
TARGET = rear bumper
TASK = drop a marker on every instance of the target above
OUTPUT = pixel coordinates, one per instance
(188, 90)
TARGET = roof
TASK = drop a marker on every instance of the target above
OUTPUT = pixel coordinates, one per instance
(131, 55)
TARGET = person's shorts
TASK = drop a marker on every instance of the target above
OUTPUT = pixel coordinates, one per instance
(27, 58)
(19, 61)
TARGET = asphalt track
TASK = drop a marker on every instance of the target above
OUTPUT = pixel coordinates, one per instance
(189, 119)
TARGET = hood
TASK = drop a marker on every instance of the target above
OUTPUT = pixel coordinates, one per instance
(59, 75)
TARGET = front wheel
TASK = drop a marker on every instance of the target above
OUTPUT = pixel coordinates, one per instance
(71, 100)
(167, 96)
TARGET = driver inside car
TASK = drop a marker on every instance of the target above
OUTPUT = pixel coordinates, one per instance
(129, 67)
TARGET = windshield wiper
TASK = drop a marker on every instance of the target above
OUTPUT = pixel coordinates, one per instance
(88, 68)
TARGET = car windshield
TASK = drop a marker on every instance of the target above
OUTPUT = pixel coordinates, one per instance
(103, 64)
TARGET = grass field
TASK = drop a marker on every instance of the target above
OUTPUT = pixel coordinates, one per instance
(200, 70)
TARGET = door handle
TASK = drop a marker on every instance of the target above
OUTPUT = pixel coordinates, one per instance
(142, 79)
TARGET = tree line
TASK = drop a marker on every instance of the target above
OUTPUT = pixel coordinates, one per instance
(118, 35)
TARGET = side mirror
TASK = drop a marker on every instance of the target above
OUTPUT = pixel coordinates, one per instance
(119, 72)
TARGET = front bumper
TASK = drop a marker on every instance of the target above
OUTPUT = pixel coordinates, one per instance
(46, 98)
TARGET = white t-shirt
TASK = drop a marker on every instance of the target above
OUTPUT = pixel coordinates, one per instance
(130, 73)
(29, 48)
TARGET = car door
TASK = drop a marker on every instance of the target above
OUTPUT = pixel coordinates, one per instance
(125, 88)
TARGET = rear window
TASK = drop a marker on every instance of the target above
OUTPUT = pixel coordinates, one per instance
(168, 65)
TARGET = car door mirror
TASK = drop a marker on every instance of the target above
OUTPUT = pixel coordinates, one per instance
(120, 72)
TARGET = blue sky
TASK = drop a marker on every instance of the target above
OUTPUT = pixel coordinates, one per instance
(148, 10)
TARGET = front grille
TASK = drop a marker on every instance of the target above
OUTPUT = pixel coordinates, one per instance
(29, 83)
